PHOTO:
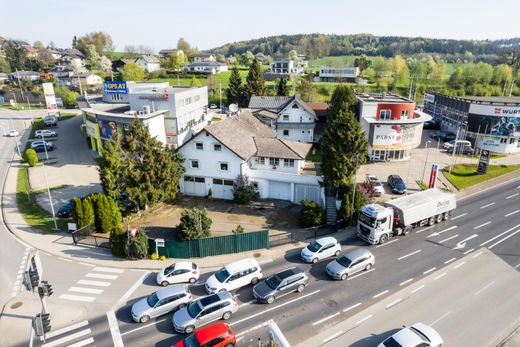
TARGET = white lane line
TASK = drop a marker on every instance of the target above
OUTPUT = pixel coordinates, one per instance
(66, 329)
(417, 289)
(114, 329)
(499, 235)
(505, 238)
(67, 338)
(460, 215)
(47, 254)
(409, 255)
(449, 238)
(105, 277)
(82, 343)
(450, 260)
(77, 298)
(393, 303)
(247, 303)
(85, 290)
(405, 282)
(441, 317)
(441, 275)
(256, 327)
(108, 269)
(476, 255)
(363, 319)
(143, 326)
(491, 204)
(361, 274)
(459, 265)
(512, 213)
(382, 293)
(429, 270)
(64, 259)
(356, 305)
(482, 225)
(485, 287)
(512, 196)
(469, 251)
(516, 267)
(424, 229)
(387, 243)
(332, 337)
(326, 318)
(94, 283)
(442, 232)
(274, 308)
(86, 264)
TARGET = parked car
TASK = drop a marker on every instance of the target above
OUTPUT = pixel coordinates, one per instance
(204, 310)
(452, 143)
(13, 133)
(41, 147)
(353, 261)
(234, 276)
(40, 143)
(461, 149)
(66, 210)
(447, 136)
(418, 334)
(280, 284)
(397, 184)
(320, 249)
(378, 186)
(435, 134)
(431, 124)
(161, 302)
(215, 335)
(213, 106)
(180, 272)
(45, 133)
(50, 121)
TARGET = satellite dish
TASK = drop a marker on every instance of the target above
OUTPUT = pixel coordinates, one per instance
(233, 108)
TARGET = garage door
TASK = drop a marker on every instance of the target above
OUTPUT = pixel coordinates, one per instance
(222, 189)
(194, 185)
(279, 190)
(305, 192)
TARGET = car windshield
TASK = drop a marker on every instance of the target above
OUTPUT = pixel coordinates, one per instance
(152, 300)
(273, 281)
(344, 261)
(222, 275)
(194, 309)
(363, 218)
(420, 334)
(314, 246)
(391, 342)
(169, 269)
(191, 341)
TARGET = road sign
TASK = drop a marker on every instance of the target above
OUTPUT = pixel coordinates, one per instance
(483, 162)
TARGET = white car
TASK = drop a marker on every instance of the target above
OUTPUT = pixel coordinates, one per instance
(40, 143)
(181, 272)
(213, 106)
(161, 302)
(378, 186)
(45, 133)
(234, 276)
(418, 334)
(13, 133)
(320, 249)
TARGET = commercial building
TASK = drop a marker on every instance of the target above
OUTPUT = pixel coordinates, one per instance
(392, 125)
(491, 123)
(336, 74)
(211, 67)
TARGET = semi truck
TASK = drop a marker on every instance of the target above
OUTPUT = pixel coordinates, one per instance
(377, 223)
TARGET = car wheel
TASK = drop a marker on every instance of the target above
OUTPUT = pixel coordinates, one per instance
(300, 288)
(344, 277)
(314, 260)
(431, 221)
(254, 281)
(164, 283)
(144, 319)
(230, 345)
(446, 215)
(337, 253)
(189, 329)
(383, 239)
(270, 299)
(438, 218)
(226, 315)
(368, 267)
(192, 280)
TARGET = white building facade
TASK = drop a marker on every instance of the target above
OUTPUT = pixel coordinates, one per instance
(334, 74)
(148, 63)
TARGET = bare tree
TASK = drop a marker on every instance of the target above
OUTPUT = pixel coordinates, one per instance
(145, 49)
(130, 49)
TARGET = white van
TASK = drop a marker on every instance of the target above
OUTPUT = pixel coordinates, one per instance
(234, 276)
(460, 144)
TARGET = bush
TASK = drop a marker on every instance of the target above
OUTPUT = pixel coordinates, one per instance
(77, 210)
(311, 214)
(136, 247)
(344, 210)
(195, 224)
(117, 243)
(88, 214)
(238, 230)
(30, 157)
(243, 191)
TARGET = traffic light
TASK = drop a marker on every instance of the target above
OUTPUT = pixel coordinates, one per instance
(46, 287)
(31, 279)
(42, 324)
(46, 322)
(41, 291)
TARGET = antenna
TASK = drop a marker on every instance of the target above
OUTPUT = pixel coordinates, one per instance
(233, 108)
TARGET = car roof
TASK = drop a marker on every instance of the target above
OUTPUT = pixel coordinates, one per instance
(208, 333)
(172, 290)
(213, 298)
(407, 336)
(289, 272)
(184, 265)
(324, 240)
(357, 252)
(240, 264)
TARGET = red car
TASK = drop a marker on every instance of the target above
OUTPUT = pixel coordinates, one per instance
(216, 335)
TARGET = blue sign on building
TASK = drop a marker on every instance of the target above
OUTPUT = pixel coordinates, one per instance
(115, 87)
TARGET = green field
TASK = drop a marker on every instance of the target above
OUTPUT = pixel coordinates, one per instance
(465, 175)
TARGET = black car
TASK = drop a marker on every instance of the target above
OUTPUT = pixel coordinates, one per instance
(397, 184)
(447, 137)
(41, 147)
(280, 284)
(66, 210)
(436, 134)
(431, 124)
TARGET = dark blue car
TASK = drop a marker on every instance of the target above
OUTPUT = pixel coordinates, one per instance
(397, 184)
(66, 210)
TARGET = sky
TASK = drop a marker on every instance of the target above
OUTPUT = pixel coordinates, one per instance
(208, 24)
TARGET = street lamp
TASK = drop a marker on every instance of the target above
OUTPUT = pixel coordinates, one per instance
(425, 160)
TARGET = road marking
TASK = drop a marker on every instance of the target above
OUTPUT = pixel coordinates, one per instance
(85, 290)
(86, 264)
(360, 274)
(94, 283)
(46, 253)
(450, 260)
(476, 255)
(449, 238)
(512, 213)
(430, 270)
(82, 343)
(512, 196)
(393, 303)
(387, 243)
(354, 306)
(382, 293)
(417, 289)
(102, 276)
(505, 238)
(326, 318)
(363, 319)
(485, 287)
(66, 329)
(462, 244)
(409, 255)
(64, 259)
(256, 327)
(332, 337)
(441, 232)
(114, 329)
(67, 338)
(407, 281)
(274, 308)
(423, 229)
(441, 317)
(482, 225)
(247, 303)
(77, 298)
(460, 215)
(469, 251)
(516, 267)
(491, 204)
(496, 237)
(441, 275)
(143, 326)
(459, 265)
(108, 269)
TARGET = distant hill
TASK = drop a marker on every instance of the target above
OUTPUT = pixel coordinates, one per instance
(319, 45)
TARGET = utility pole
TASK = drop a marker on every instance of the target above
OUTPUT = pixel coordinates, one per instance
(220, 91)
(48, 189)
(425, 160)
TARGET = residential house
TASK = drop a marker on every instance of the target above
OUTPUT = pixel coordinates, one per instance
(337, 74)
(303, 61)
(87, 79)
(165, 53)
(295, 119)
(117, 65)
(196, 57)
(285, 67)
(243, 145)
(148, 62)
(72, 56)
(261, 57)
(61, 71)
(3, 77)
(24, 76)
(211, 67)
(30, 51)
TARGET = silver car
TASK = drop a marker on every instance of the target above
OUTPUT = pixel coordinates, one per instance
(161, 302)
(351, 262)
(203, 311)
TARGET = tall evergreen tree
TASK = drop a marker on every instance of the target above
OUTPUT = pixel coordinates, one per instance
(255, 83)
(103, 214)
(282, 89)
(235, 90)
(88, 214)
(77, 210)
(111, 167)
(342, 100)
(306, 88)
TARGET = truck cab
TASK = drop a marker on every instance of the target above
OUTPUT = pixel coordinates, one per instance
(375, 223)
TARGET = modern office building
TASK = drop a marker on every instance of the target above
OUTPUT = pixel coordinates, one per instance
(335, 74)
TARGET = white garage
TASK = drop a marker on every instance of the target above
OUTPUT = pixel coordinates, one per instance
(279, 190)
(194, 185)
(222, 189)
(306, 192)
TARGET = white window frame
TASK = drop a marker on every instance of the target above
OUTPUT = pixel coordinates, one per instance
(285, 117)
(195, 161)
(260, 160)
(385, 114)
(197, 145)
(274, 161)
(219, 147)
(288, 162)
(220, 163)
(405, 114)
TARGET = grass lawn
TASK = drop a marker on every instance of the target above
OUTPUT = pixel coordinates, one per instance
(465, 175)
(33, 214)
(22, 107)
(422, 184)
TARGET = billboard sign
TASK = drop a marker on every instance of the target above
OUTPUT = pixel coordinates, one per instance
(433, 175)
(483, 161)
(107, 130)
(50, 98)
(494, 120)
(115, 87)
(396, 136)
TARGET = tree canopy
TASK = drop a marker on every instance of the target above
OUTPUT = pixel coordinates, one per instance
(132, 72)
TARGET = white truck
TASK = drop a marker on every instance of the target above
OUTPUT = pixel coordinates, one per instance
(376, 223)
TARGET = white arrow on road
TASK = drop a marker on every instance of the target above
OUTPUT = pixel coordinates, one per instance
(462, 243)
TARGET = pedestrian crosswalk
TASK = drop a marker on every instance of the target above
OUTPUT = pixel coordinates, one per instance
(19, 276)
(93, 283)
(75, 335)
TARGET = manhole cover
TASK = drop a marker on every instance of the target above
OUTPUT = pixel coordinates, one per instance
(16, 305)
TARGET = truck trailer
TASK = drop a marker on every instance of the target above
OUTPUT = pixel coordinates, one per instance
(377, 224)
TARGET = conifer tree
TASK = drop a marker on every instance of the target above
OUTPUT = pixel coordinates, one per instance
(110, 168)
(343, 99)
(235, 90)
(282, 89)
(255, 83)
(88, 214)
(77, 210)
